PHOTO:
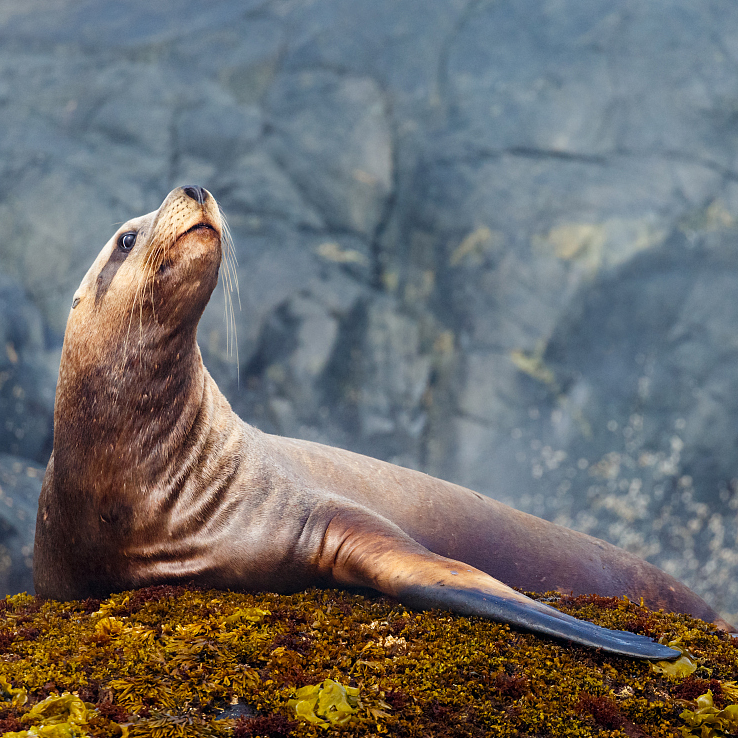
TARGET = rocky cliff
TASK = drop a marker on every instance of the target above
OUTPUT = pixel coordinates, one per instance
(492, 240)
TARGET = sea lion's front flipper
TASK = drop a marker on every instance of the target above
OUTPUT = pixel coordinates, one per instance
(363, 549)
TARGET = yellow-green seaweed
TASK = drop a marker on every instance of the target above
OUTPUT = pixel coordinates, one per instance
(17, 696)
(707, 720)
(325, 703)
(167, 661)
(679, 668)
(58, 716)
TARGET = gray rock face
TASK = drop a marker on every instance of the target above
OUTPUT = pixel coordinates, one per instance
(493, 241)
(20, 486)
(332, 137)
(27, 378)
(655, 337)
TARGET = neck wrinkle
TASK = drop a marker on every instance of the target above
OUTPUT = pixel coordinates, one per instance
(189, 450)
(191, 504)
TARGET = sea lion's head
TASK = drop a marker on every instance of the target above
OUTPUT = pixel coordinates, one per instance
(154, 276)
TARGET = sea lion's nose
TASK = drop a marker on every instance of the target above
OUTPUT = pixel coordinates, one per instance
(196, 193)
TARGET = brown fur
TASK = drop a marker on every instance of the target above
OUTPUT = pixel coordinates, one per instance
(154, 479)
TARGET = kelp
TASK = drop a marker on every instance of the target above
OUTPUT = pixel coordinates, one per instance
(708, 721)
(176, 661)
(60, 716)
(326, 703)
(679, 668)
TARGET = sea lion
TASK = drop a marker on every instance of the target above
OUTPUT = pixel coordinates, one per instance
(153, 478)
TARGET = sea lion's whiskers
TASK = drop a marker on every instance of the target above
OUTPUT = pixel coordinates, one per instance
(230, 316)
(229, 252)
(137, 297)
(152, 277)
(141, 296)
(234, 338)
(230, 279)
(225, 262)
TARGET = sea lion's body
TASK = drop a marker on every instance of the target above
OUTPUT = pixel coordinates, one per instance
(154, 479)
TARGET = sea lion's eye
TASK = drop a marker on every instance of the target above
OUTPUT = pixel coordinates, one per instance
(126, 241)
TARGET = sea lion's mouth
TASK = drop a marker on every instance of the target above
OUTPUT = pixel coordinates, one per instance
(197, 228)
(200, 227)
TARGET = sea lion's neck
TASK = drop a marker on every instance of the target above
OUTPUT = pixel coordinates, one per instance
(117, 421)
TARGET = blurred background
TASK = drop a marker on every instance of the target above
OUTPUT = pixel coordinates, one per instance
(492, 240)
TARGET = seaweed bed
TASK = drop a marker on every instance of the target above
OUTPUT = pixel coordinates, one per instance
(176, 661)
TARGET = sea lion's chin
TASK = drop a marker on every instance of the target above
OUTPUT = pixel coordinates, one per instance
(187, 276)
(201, 242)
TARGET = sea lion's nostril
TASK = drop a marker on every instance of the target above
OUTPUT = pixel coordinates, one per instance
(196, 193)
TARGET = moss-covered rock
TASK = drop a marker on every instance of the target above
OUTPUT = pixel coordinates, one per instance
(171, 661)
